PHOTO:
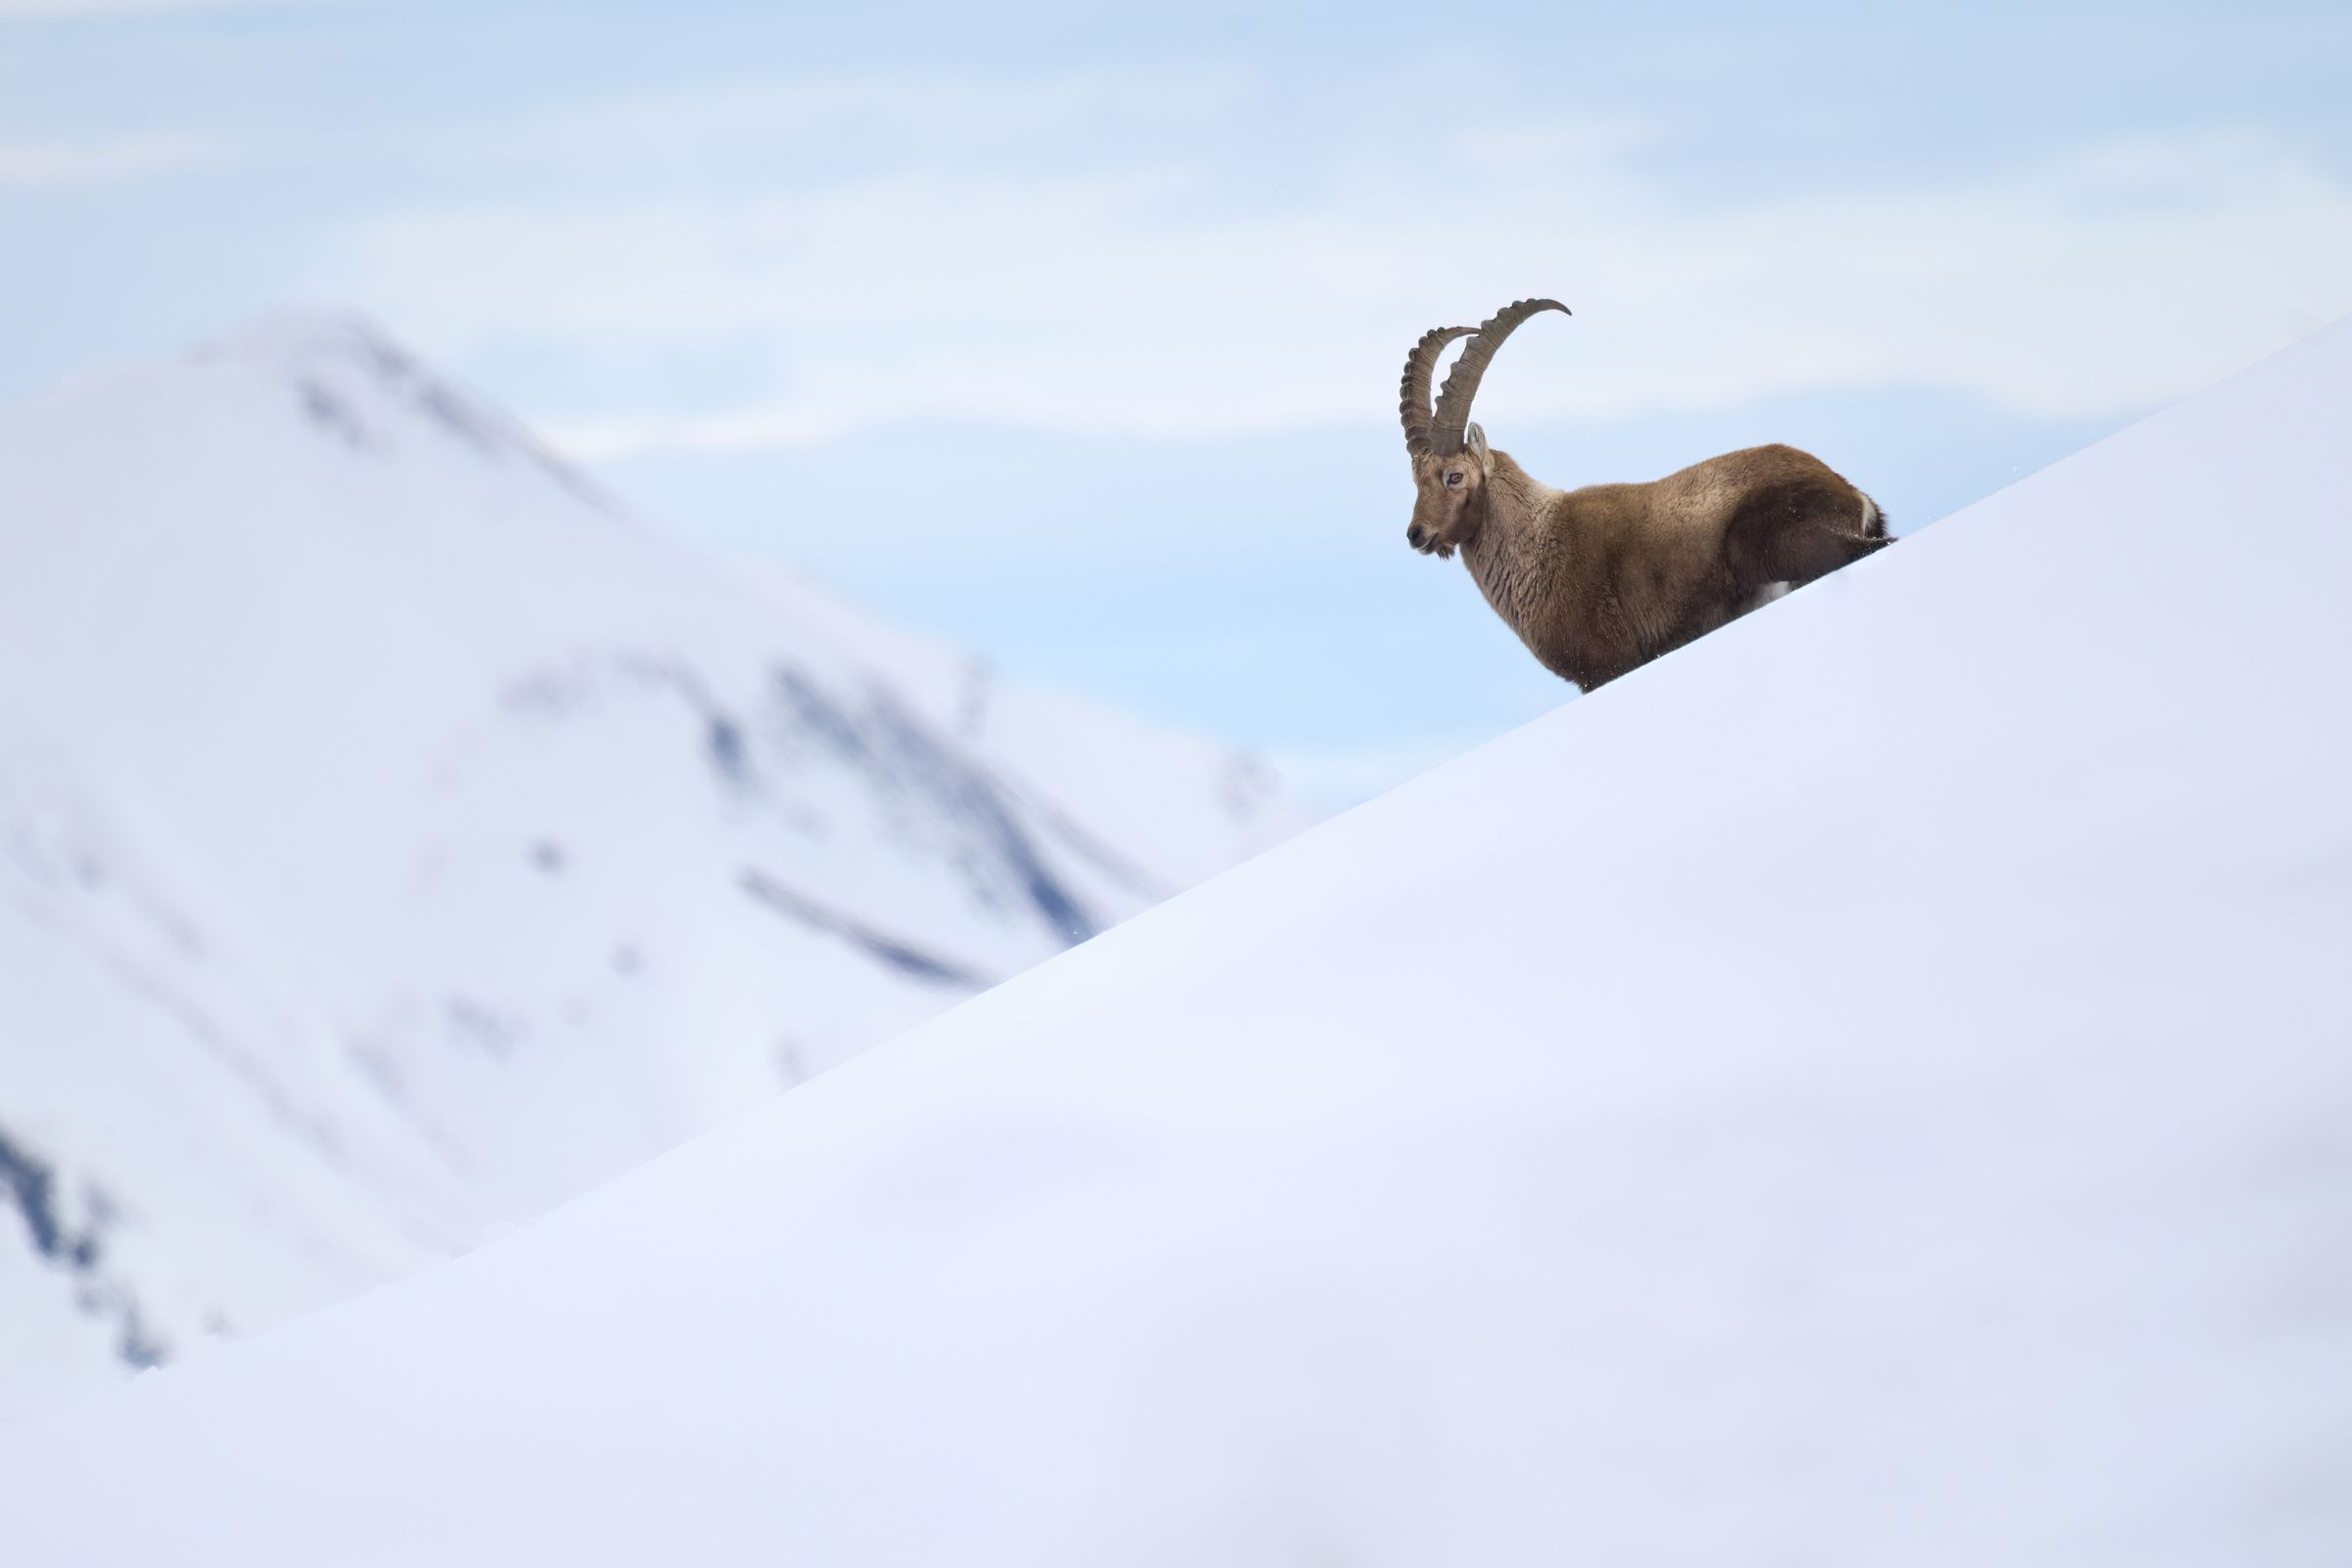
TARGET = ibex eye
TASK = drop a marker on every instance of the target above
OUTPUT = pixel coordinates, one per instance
(1453, 477)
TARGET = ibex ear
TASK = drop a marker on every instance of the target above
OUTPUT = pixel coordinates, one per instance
(1476, 439)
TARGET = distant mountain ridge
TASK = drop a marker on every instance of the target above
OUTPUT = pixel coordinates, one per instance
(396, 836)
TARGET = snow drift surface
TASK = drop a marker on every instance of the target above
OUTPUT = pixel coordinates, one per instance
(1869, 1089)
(394, 838)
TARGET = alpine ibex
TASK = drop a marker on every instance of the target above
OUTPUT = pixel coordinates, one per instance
(1600, 580)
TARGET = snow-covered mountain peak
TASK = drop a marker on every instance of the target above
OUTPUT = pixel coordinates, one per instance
(505, 840)
(355, 385)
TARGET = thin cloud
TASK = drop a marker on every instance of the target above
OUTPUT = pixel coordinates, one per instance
(37, 165)
(1144, 302)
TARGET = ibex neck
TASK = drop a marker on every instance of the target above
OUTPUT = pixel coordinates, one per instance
(1504, 556)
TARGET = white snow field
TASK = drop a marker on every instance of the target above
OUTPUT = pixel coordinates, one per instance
(1873, 1088)
(396, 839)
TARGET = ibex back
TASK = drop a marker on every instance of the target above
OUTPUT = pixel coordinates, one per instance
(1599, 580)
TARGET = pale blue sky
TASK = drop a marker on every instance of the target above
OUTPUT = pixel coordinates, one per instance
(1071, 332)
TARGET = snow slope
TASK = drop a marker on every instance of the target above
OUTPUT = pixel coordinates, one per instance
(395, 838)
(1872, 1088)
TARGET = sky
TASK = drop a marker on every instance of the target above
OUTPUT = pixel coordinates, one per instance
(1071, 332)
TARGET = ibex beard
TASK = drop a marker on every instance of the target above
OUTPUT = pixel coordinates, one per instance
(1600, 580)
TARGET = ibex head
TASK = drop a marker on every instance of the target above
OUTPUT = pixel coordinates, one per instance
(1448, 453)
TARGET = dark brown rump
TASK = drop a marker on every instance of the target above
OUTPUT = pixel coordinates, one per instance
(1796, 531)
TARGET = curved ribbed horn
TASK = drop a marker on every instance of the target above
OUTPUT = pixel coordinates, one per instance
(1451, 417)
(1413, 391)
